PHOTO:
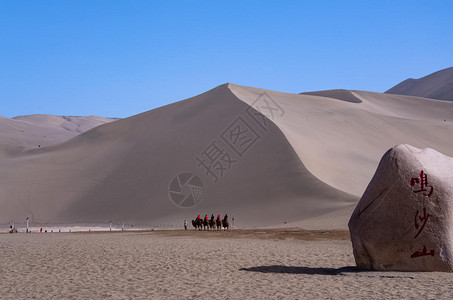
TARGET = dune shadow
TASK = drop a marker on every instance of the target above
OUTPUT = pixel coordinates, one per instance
(302, 270)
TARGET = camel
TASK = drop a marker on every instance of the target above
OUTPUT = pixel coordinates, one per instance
(211, 224)
(218, 223)
(225, 224)
(197, 223)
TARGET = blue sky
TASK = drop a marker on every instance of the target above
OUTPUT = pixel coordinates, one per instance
(120, 58)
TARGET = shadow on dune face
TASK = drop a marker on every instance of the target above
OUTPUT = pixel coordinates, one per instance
(301, 270)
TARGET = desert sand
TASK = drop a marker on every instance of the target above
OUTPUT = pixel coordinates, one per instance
(35, 131)
(239, 264)
(292, 180)
(437, 85)
(303, 156)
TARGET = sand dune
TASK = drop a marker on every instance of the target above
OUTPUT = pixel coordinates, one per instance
(122, 171)
(344, 95)
(341, 142)
(438, 85)
(76, 124)
(33, 131)
(302, 157)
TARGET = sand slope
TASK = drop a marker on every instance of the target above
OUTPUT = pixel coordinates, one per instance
(341, 142)
(310, 156)
(33, 131)
(344, 95)
(122, 171)
(438, 85)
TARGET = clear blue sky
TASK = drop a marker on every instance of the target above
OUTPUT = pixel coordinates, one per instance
(120, 58)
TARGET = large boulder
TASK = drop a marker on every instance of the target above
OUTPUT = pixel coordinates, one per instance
(404, 220)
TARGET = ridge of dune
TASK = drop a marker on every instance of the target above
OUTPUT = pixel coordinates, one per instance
(339, 94)
(124, 170)
(35, 131)
(77, 124)
(341, 142)
(437, 85)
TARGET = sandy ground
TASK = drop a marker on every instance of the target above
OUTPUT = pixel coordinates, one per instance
(240, 264)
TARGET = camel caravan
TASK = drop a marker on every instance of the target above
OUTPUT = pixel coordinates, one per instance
(211, 224)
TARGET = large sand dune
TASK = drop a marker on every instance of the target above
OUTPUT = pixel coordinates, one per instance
(438, 85)
(34, 131)
(311, 155)
(341, 142)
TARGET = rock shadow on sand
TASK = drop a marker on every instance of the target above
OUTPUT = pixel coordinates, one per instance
(301, 270)
(346, 271)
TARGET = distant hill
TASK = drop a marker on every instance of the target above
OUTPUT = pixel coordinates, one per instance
(438, 85)
(34, 131)
(75, 124)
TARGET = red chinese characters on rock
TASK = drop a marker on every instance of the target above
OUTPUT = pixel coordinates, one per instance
(423, 219)
(422, 253)
(423, 181)
(422, 187)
